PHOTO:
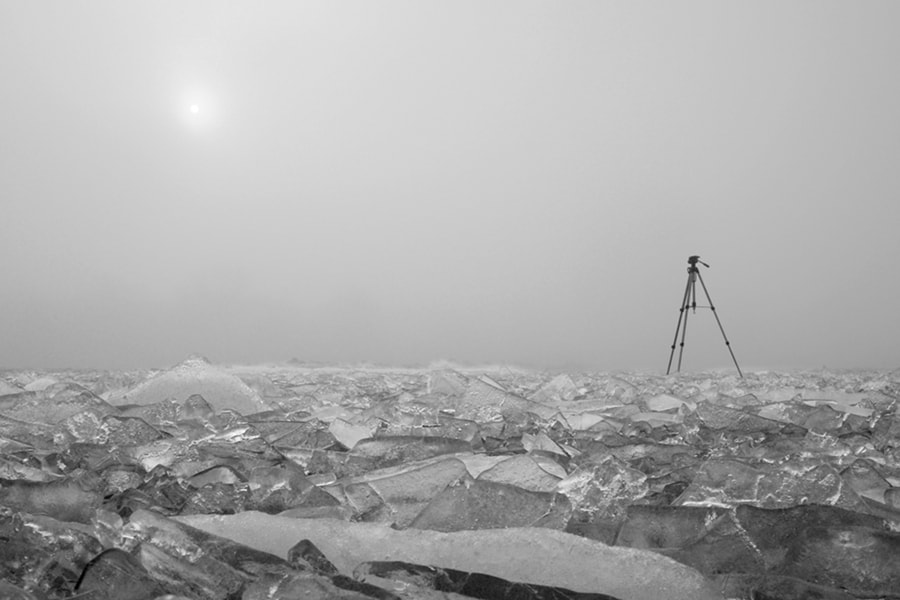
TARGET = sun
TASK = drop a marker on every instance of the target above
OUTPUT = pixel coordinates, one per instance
(196, 108)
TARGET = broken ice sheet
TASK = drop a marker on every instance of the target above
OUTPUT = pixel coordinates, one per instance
(808, 437)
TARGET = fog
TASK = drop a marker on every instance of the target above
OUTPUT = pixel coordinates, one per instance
(400, 182)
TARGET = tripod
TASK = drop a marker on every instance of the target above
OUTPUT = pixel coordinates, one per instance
(690, 301)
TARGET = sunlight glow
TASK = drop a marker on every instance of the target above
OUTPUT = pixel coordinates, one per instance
(197, 108)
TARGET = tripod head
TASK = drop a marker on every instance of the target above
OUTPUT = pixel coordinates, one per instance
(693, 260)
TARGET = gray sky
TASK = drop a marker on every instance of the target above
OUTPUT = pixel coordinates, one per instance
(401, 181)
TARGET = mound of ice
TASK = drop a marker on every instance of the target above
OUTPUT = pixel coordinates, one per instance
(196, 376)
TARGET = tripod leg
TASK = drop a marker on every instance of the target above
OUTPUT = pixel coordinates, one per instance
(681, 314)
(684, 330)
(722, 329)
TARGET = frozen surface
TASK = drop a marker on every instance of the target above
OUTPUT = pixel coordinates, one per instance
(679, 484)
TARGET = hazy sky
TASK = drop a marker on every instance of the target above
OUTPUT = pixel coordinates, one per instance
(400, 181)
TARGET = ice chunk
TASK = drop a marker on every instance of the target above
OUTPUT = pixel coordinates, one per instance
(483, 504)
(560, 388)
(522, 471)
(529, 555)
